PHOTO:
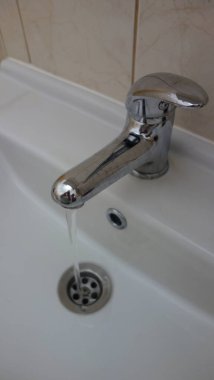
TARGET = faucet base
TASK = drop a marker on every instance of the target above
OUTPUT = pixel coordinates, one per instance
(149, 175)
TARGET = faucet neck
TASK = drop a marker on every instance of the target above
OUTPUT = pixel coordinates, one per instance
(153, 122)
(157, 160)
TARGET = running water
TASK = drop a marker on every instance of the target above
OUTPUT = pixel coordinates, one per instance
(71, 216)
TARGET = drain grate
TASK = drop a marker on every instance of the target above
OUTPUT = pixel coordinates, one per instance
(90, 290)
(94, 293)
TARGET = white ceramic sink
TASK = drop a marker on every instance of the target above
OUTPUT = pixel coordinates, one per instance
(159, 322)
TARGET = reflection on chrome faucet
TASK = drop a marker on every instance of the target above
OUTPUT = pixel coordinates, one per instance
(142, 147)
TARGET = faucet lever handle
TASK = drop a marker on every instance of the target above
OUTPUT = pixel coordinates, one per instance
(170, 88)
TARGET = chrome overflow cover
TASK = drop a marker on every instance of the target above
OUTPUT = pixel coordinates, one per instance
(116, 218)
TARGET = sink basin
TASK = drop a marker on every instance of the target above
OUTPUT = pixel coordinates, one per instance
(159, 322)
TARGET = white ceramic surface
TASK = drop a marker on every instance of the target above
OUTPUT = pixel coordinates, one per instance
(159, 323)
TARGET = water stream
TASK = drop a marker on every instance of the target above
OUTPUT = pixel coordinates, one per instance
(71, 218)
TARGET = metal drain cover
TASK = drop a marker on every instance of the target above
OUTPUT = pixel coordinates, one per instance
(94, 292)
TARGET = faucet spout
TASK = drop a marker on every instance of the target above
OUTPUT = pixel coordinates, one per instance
(128, 151)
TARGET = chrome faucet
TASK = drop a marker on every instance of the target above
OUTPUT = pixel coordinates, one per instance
(142, 147)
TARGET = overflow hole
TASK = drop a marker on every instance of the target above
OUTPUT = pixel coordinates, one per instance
(116, 218)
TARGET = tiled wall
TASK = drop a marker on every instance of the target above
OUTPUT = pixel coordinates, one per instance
(104, 44)
(178, 36)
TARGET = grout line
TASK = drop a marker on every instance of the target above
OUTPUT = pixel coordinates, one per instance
(135, 31)
(5, 53)
(23, 31)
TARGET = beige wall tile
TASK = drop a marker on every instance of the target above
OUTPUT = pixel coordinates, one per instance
(178, 36)
(11, 30)
(86, 41)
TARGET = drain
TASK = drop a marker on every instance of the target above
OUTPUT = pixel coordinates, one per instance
(93, 294)
(90, 292)
(116, 218)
